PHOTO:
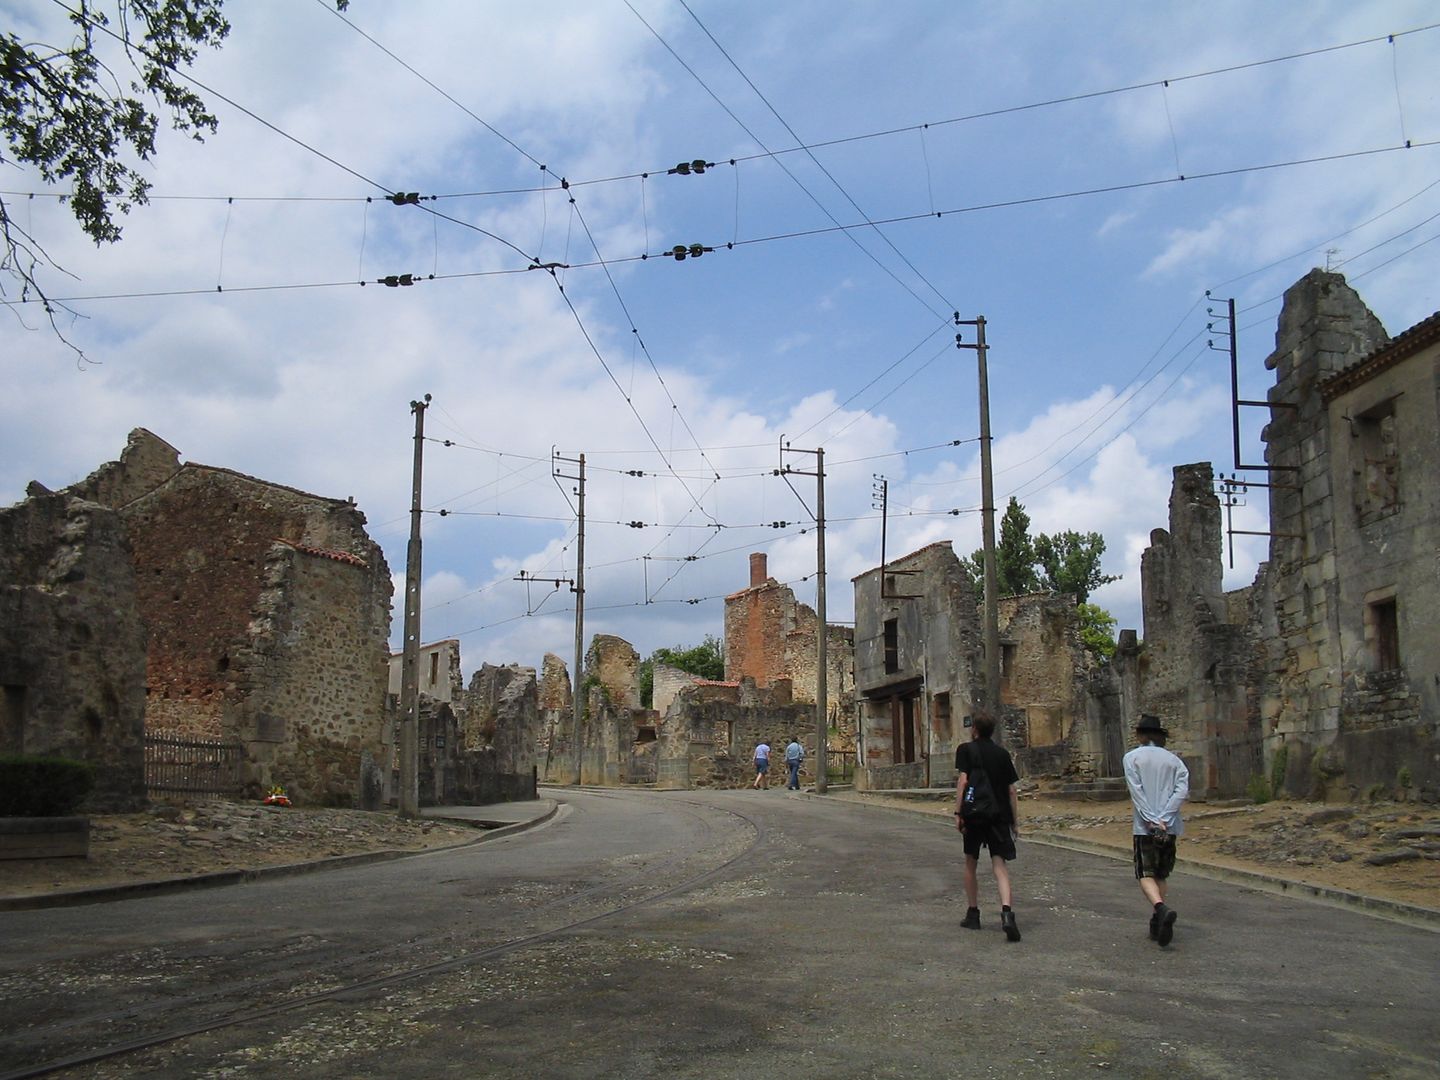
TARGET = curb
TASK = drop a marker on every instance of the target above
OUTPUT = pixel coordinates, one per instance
(1396, 911)
(106, 894)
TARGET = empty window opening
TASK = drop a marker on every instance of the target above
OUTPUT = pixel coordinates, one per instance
(892, 646)
(1377, 462)
(434, 668)
(12, 719)
(1384, 634)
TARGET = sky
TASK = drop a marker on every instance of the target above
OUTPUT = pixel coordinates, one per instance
(870, 171)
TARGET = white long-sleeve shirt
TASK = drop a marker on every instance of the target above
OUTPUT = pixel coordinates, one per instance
(1159, 784)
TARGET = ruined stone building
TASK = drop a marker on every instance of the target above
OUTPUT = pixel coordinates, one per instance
(72, 646)
(918, 673)
(1326, 672)
(267, 610)
(710, 728)
(769, 636)
(440, 676)
(1052, 720)
(555, 748)
(1197, 670)
(480, 747)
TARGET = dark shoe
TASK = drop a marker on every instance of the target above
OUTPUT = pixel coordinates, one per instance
(1007, 922)
(1155, 927)
(972, 919)
(1167, 926)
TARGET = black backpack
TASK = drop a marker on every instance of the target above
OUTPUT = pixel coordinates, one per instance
(978, 803)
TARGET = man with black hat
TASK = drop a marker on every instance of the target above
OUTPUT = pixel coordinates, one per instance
(1159, 784)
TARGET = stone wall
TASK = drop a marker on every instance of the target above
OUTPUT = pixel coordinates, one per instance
(268, 614)
(555, 749)
(708, 735)
(501, 712)
(72, 646)
(308, 687)
(668, 681)
(1356, 532)
(1201, 659)
(452, 775)
(146, 462)
(1045, 671)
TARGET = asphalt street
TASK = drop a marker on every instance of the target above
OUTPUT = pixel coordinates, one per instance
(714, 934)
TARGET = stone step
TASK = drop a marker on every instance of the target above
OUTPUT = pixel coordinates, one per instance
(1101, 789)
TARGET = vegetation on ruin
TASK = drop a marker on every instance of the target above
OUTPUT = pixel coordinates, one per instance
(1066, 562)
(43, 786)
(706, 660)
(70, 110)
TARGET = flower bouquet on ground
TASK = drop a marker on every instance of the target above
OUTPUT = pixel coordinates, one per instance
(277, 797)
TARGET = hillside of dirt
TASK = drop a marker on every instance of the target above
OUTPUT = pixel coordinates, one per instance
(182, 840)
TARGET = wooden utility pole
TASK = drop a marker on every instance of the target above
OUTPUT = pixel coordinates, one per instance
(987, 519)
(822, 634)
(409, 794)
(576, 681)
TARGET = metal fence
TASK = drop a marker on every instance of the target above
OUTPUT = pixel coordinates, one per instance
(181, 764)
(839, 766)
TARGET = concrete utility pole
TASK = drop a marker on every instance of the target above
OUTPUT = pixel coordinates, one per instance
(822, 644)
(987, 519)
(409, 794)
(577, 706)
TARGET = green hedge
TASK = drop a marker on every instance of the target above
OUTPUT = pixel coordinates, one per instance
(43, 787)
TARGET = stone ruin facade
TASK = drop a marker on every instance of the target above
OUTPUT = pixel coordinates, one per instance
(555, 749)
(1052, 705)
(1324, 675)
(918, 675)
(1198, 669)
(478, 748)
(440, 676)
(267, 611)
(72, 645)
(709, 731)
(770, 637)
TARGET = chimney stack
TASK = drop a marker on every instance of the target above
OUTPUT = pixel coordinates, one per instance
(758, 569)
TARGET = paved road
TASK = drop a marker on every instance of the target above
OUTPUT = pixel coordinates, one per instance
(717, 934)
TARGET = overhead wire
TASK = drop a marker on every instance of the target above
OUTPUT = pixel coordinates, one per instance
(815, 160)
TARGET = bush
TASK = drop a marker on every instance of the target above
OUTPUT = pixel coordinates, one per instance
(1278, 765)
(1258, 789)
(43, 787)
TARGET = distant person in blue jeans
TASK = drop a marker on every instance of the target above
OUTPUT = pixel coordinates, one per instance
(794, 758)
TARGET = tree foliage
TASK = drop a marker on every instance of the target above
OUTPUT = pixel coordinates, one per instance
(1066, 562)
(1070, 563)
(706, 660)
(1097, 631)
(80, 122)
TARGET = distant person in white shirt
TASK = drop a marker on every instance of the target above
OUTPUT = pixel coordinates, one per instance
(1159, 783)
(762, 765)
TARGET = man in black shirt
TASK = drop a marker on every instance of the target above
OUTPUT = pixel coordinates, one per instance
(987, 813)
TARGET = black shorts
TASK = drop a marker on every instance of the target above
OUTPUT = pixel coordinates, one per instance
(1154, 857)
(995, 835)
